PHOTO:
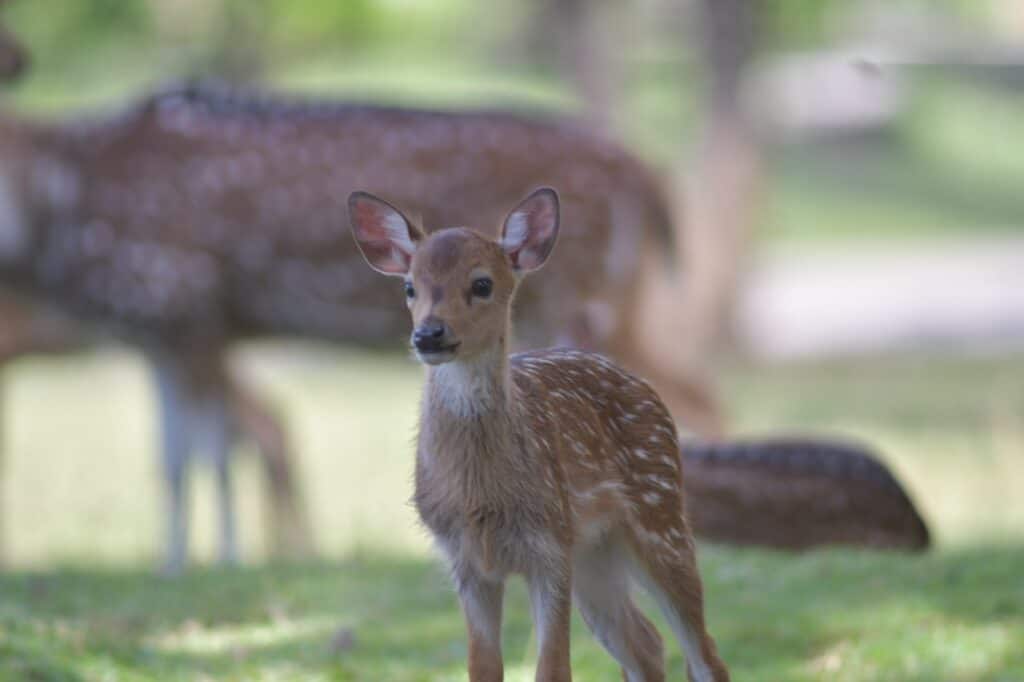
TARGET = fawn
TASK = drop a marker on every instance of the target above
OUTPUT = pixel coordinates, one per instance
(553, 464)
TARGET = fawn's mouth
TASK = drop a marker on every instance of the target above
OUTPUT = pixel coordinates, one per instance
(437, 355)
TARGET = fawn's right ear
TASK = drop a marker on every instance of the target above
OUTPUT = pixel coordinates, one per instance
(531, 229)
(385, 237)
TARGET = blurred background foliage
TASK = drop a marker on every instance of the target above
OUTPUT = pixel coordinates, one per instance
(946, 163)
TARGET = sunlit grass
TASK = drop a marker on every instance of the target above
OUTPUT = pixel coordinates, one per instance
(955, 615)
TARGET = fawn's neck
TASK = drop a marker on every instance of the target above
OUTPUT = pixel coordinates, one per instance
(470, 411)
(474, 388)
(470, 453)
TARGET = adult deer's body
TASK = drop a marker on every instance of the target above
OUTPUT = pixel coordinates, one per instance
(200, 218)
(553, 464)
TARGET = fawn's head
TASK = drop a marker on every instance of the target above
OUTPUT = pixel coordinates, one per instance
(458, 283)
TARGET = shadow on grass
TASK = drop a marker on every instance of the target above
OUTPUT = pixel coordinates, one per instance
(776, 617)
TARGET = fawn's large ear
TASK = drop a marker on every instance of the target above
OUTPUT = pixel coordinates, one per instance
(385, 237)
(531, 229)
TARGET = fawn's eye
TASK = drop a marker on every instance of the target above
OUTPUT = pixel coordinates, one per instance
(482, 287)
(410, 292)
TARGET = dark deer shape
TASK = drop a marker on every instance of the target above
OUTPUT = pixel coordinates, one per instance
(200, 218)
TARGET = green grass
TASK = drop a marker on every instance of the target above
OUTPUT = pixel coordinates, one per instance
(81, 602)
(837, 616)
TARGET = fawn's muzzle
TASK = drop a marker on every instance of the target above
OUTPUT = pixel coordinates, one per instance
(429, 337)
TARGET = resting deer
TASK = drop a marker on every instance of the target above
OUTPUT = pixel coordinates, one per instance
(553, 464)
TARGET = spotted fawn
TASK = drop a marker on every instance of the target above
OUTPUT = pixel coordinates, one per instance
(553, 464)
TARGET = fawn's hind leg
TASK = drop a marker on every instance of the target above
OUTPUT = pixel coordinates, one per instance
(601, 586)
(668, 569)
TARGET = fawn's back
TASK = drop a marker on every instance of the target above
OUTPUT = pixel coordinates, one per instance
(615, 441)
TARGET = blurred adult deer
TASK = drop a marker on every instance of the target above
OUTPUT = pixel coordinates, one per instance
(201, 218)
(553, 464)
(33, 329)
(27, 328)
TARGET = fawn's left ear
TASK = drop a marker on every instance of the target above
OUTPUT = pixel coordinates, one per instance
(531, 229)
(385, 237)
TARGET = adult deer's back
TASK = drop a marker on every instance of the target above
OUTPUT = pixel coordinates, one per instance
(244, 198)
(199, 218)
(206, 215)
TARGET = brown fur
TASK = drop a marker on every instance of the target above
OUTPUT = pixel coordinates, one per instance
(200, 218)
(605, 281)
(550, 464)
(259, 239)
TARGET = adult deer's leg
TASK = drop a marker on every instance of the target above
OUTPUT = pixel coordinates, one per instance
(217, 429)
(192, 391)
(287, 519)
(213, 423)
(175, 428)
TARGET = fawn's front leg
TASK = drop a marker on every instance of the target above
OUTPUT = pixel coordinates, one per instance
(481, 604)
(551, 602)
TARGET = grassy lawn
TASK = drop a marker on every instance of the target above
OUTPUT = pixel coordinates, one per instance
(955, 615)
(81, 603)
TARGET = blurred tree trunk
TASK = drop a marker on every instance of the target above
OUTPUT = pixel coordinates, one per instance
(723, 186)
(232, 34)
(581, 31)
(240, 49)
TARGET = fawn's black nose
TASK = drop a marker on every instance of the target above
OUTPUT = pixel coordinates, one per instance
(429, 336)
